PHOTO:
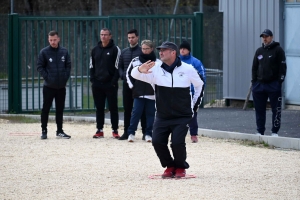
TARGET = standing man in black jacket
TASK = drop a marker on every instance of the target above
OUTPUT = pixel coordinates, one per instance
(104, 77)
(54, 65)
(268, 73)
(126, 57)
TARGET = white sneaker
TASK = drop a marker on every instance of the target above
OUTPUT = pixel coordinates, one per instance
(148, 138)
(131, 138)
(274, 135)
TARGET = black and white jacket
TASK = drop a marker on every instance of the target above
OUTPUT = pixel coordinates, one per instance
(172, 90)
(140, 89)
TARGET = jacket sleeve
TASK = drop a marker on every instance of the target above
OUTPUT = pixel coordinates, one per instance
(255, 65)
(148, 78)
(92, 67)
(121, 66)
(129, 78)
(200, 68)
(282, 69)
(195, 78)
(41, 66)
(116, 74)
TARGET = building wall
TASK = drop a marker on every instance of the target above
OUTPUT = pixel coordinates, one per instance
(243, 22)
(292, 50)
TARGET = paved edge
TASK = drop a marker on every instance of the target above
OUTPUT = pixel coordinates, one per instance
(279, 142)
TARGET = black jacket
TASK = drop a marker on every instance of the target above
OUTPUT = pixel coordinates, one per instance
(269, 64)
(104, 63)
(126, 56)
(54, 65)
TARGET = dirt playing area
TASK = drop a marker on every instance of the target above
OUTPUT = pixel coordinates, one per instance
(87, 168)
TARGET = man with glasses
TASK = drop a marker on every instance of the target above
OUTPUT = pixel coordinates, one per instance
(268, 73)
(104, 77)
(174, 104)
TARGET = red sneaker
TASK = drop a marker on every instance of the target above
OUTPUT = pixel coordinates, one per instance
(194, 138)
(179, 173)
(99, 134)
(168, 173)
(115, 134)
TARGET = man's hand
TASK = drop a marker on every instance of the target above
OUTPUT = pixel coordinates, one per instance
(145, 67)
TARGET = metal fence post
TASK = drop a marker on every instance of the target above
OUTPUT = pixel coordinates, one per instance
(14, 73)
(197, 43)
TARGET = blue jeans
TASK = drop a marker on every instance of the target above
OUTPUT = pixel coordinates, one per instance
(139, 105)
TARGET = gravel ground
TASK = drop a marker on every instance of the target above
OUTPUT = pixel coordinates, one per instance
(87, 168)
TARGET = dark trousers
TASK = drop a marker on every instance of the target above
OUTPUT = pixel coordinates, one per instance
(178, 129)
(128, 105)
(194, 125)
(261, 92)
(101, 93)
(48, 95)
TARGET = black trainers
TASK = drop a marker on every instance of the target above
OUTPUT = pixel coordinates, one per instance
(44, 134)
(62, 135)
(123, 137)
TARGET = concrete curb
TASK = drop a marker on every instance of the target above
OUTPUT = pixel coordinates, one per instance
(280, 142)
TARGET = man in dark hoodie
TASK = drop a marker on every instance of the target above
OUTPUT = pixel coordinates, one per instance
(268, 73)
(126, 57)
(54, 65)
(104, 77)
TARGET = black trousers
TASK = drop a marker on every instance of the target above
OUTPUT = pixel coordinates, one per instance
(178, 129)
(48, 95)
(101, 93)
(128, 105)
(261, 92)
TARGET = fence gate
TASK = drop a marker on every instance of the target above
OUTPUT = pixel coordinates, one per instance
(28, 35)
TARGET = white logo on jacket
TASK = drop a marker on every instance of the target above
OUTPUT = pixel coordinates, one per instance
(63, 59)
(50, 59)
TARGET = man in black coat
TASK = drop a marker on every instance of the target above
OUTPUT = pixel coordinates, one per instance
(54, 65)
(268, 73)
(104, 77)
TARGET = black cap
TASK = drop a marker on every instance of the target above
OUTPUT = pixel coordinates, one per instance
(266, 32)
(168, 45)
(185, 44)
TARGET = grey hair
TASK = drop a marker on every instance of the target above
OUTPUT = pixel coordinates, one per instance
(106, 29)
(149, 43)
